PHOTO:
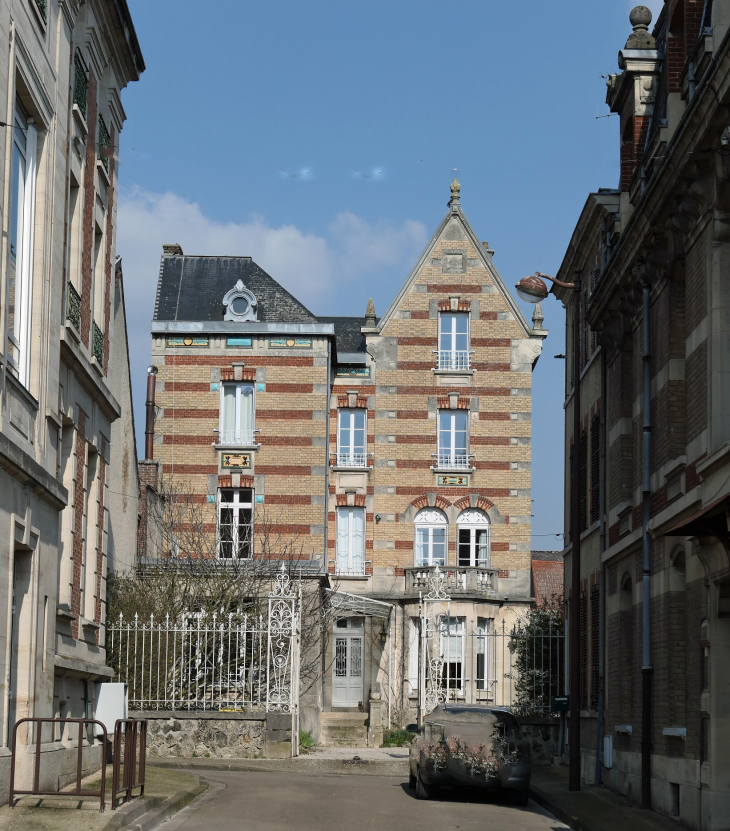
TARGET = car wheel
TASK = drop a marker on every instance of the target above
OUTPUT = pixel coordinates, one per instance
(422, 791)
(412, 782)
(521, 798)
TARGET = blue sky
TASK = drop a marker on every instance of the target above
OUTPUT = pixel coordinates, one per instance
(321, 139)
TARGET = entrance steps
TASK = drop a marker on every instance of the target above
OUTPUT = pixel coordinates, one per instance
(343, 729)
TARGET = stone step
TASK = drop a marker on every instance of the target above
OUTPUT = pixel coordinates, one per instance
(343, 729)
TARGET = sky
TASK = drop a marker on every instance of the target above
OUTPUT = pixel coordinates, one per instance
(321, 139)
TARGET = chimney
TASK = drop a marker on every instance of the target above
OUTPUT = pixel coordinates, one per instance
(172, 249)
(149, 433)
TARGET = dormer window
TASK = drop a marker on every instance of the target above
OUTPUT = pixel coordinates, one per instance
(240, 304)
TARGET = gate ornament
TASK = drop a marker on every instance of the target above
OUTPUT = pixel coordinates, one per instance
(434, 609)
(281, 681)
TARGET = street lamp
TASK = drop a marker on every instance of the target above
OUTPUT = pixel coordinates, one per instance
(532, 290)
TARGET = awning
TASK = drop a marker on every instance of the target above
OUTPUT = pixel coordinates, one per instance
(710, 521)
(358, 604)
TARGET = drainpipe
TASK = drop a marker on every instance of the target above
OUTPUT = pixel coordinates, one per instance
(326, 513)
(602, 571)
(691, 83)
(646, 669)
(149, 432)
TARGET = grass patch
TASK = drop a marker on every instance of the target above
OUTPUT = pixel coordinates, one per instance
(398, 738)
(306, 742)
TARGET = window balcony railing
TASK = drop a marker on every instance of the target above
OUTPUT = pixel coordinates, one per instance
(243, 437)
(449, 359)
(352, 460)
(474, 580)
(97, 344)
(354, 569)
(42, 6)
(453, 461)
(73, 310)
(105, 143)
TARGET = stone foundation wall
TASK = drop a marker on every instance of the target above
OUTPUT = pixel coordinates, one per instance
(543, 735)
(217, 735)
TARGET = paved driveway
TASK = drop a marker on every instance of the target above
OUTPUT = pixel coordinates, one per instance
(265, 801)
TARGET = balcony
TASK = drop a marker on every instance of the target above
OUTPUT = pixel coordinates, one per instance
(453, 461)
(353, 569)
(73, 310)
(453, 361)
(460, 580)
(97, 344)
(352, 460)
(236, 438)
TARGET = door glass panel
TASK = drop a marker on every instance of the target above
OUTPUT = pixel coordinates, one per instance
(226, 532)
(438, 554)
(464, 547)
(482, 546)
(340, 657)
(229, 411)
(355, 657)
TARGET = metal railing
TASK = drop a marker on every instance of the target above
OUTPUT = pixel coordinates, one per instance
(73, 307)
(97, 344)
(105, 143)
(350, 569)
(77, 792)
(457, 360)
(453, 461)
(242, 437)
(352, 460)
(130, 765)
(42, 6)
(81, 83)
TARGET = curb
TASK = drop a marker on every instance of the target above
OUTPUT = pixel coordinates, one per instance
(148, 813)
(564, 816)
(344, 768)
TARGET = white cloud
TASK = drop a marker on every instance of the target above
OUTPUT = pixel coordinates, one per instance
(315, 268)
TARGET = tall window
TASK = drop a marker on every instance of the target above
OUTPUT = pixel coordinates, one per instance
(235, 523)
(453, 447)
(431, 537)
(20, 259)
(484, 654)
(351, 541)
(473, 530)
(351, 438)
(237, 414)
(453, 340)
(452, 648)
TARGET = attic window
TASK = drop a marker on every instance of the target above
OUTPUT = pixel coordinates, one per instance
(240, 304)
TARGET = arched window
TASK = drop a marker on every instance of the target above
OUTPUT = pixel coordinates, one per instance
(473, 534)
(432, 532)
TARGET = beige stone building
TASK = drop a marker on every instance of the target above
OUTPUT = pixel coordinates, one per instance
(380, 448)
(652, 257)
(68, 481)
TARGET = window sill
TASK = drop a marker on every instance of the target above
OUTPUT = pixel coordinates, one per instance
(361, 578)
(460, 372)
(358, 469)
(80, 120)
(454, 470)
(73, 331)
(102, 172)
(234, 447)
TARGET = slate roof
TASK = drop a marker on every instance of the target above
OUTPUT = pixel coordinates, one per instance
(347, 333)
(192, 289)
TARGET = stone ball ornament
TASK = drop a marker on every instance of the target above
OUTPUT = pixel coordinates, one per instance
(640, 16)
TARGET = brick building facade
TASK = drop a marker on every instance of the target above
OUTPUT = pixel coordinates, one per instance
(652, 257)
(376, 448)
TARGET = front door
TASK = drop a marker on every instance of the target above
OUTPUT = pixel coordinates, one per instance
(347, 664)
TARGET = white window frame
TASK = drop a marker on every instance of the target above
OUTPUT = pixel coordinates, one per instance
(346, 455)
(450, 460)
(430, 519)
(457, 360)
(236, 506)
(473, 520)
(484, 644)
(237, 436)
(345, 562)
(21, 260)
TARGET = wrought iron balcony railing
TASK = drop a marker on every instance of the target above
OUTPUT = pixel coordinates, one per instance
(352, 460)
(471, 580)
(73, 307)
(354, 569)
(81, 83)
(105, 143)
(243, 437)
(42, 6)
(448, 359)
(453, 461)
(97, 344)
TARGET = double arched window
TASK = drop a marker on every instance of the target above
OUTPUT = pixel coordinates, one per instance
(432, 538)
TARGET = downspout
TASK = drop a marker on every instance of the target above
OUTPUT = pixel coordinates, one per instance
(149, 431)
(326, 512)
(602, 571)
(646, 669)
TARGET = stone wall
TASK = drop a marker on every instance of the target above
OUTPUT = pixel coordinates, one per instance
(218, 735)
(543, 735)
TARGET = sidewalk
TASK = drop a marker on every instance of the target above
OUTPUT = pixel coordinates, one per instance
(591, 808)
(166, 792)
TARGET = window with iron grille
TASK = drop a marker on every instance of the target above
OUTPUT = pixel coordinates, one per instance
(595, 467)
(583, 651)
(595, 614)
(583, 483)
(105, 143)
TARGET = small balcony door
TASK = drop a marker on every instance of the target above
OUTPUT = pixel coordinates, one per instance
(347, 664)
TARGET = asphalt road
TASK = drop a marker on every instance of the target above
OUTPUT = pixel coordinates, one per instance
(264, 801)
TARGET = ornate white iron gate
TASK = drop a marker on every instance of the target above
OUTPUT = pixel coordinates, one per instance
(213, 662)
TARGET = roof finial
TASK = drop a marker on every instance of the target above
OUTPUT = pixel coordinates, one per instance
(640, 38)
(537, 317)
(370, 313)
(455, 188)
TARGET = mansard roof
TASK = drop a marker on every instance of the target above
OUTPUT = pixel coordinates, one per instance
(350, 340)
(192, 288)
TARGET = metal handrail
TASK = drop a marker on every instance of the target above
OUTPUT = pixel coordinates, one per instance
(134, 727)
(36, 778)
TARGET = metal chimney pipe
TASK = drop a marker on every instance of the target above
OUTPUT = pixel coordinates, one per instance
(149, 432)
